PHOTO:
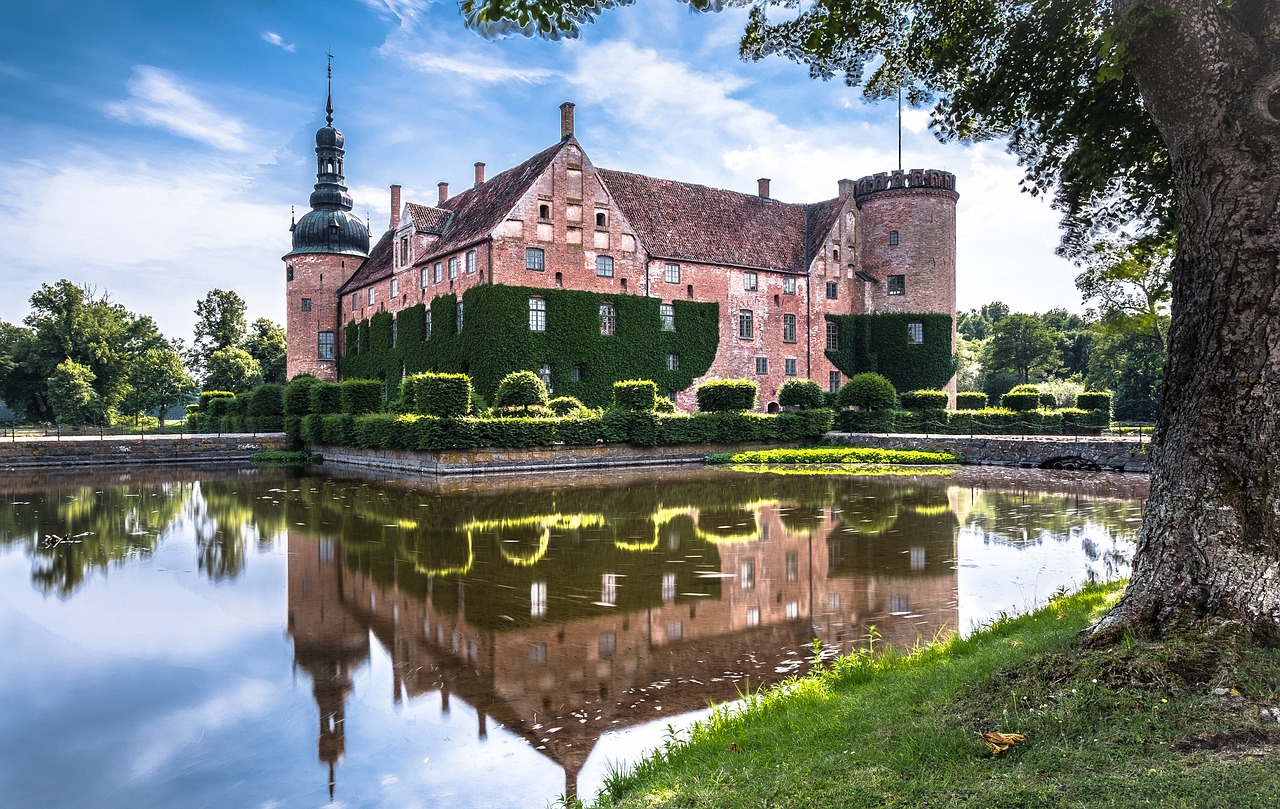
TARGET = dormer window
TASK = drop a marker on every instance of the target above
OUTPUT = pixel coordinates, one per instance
(544, 212)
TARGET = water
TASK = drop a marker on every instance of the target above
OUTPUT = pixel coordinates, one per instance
(267, 638)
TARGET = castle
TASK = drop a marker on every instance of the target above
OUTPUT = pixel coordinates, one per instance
(820, 290)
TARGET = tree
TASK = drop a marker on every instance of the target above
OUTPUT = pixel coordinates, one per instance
(219, 325)
(265, 342)
(158, 382)
(232, 369)
(1023, 345)
(21, 388)
(71, 394)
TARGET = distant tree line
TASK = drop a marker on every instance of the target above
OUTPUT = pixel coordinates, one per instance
(79, 358)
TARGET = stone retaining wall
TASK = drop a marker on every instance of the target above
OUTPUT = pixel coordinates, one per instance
(1057, 452)
(131, 449)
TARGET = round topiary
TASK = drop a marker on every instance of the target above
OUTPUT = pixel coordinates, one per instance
(868, 391)
(1026, 389)
(565, 405)
(635, 394)
(521, 389)
(802, 393)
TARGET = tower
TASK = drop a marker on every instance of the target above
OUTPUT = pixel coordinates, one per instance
(328, 246)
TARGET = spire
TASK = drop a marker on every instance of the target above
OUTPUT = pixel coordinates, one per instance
(328, 107)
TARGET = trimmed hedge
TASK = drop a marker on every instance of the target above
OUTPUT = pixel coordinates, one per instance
(804, 394)
(726, 395)
(971, 400)
(207, 396)
(1020, 402)
(521, 389)
(640, 395)
(1094, 400)
(326, 398)
(869, 391)
(360, 396)
(920, 400)
(820, 455)
(297, 396)
(266, 407)
(443, 395)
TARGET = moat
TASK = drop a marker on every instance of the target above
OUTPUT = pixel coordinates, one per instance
(276, 638)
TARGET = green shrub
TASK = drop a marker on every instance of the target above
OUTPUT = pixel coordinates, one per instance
(801, 393)
(663, 405)
(312, 429)
(217, 408)
(377, 430)
(338, 429)
(1095, 400)
(326, 398)
(360, 396)
(921, 400)
(726, 395)
(297, 395)
(565, 405)
(443, 395)
(871, 392)
(581, 428)
(1048, 401)
(872, 421)
(521, 389)
(293, 429)
(821, 455)
(1083, 422)
(635, 394)
(267, 401)
(209, 395)
(1020, 401)
(971, 400)
(1025, 388)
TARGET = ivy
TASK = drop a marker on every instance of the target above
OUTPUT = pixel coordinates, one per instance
(881, 344)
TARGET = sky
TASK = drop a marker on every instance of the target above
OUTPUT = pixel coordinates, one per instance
(154, 150)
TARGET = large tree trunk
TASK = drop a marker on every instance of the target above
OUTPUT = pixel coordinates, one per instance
(1209, 547)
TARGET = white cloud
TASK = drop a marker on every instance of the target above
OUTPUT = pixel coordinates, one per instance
(156, 98)
(275, 39)
(404, 12)
(478, 69)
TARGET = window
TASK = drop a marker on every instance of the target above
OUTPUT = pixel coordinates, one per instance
(427, 325)
(788, 286)
(471, 262)
(404, 249)
(915, 332)
(288, 272)
(324, 349)
(534, 259)
(833, 381)
(395, 287)
(745, 328)
(306, 304)
(609, 589)
(789, 365)
(793, 566)
(833, 337)
(833, 290)
(604, 266)
(835, 254)
(893, 238)
(544, 212)
(899, 605)
(457, 319)
(762, 365)
(423, 277)
(439, 272)
(453, 268)
(917, 557)
(673, 274)
(370, 295)
(607, 644)
(537, 314)
(395, 331)
(897, 285)
(608, 318)
(673, 362)
(576, 375)
(788, 328)
(668, 587)
(747, 574)
(602, 219)
(667, 312)
(355, 300)
(749, 281)
(544, 373)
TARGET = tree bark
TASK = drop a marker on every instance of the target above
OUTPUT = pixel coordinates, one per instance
(1209, 547)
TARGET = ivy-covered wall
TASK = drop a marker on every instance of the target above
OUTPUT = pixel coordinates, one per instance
(881, 343)
(496, 340)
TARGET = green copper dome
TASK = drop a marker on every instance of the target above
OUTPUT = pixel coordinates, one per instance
(329, 227)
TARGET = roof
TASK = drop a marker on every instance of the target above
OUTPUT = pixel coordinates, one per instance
(689, 222)
(428, 219)
(376, 267)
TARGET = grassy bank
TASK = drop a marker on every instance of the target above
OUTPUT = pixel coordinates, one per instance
(835, 455)
(1170, 723)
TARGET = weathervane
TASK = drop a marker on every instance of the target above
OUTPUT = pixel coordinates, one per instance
(328, 107)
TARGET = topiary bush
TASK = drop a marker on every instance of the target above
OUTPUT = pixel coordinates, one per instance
(635, 394)
(1020, 402)
(521, 389)
(726, 395)
(209, 395)
(1025, 388)
(443, 395)
(971, 400)
(360, 396)
(297, 395)
(1048, 401)
(326, 398)
(1094, 400)
(924, 400)
(870, 392)
(663, 405)
(804, 394)
(565, 406)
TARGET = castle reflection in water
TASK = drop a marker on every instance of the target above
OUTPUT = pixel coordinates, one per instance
(564, 613)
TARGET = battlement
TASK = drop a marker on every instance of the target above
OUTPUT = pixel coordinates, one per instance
(898, 179)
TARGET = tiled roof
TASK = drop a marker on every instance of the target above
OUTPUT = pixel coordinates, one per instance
(428, 219)
(690, 222)
(822, 218)
(377, 266)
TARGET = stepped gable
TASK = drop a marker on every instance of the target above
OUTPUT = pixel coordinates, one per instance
(377, 265)
(478, 211)
(428, 219)
(688, 222)
(822, 218)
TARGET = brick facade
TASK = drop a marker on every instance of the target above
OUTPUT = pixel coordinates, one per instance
(787, 265)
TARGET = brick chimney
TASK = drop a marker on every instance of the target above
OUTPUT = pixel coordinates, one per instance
(566, 120)
(479, 173)
(444, 191)
(395, 207)
(762, 187)
(846, 188)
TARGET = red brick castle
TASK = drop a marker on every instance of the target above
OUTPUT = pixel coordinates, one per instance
(782, 274)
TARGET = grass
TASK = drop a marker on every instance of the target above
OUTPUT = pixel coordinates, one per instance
(282, 457)
(834, 455)
(1173, 722)
(841, 470)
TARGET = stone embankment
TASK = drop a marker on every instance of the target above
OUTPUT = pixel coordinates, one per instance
(1040, 452)
(115, 450)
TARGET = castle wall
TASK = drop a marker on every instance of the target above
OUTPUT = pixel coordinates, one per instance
(312, 307)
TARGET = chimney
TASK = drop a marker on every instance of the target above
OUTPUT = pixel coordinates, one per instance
(846, 188)
(395, 207)
(444, 191)
(479, 173)
(762, 187)
(566, 120)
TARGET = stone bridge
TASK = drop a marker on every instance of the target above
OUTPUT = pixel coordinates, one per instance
(1043, 452)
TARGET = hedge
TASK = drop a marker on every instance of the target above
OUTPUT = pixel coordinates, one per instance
(521, 389)
(726, 395)
(971, 400)
(1094, 400)
(1020, 402)
(921, 400)
(870, 391)
(635, 394)
(297, 396)
(266, 407)
(801, 393)
(822, 455)
(443, 395)
(360, 396)
(209, 395)
(326, 398)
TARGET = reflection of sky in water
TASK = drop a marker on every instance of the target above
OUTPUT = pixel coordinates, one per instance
(153, 684)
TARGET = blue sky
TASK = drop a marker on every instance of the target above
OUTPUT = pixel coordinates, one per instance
(154, 149)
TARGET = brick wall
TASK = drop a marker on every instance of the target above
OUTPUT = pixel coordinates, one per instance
(316, 279)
